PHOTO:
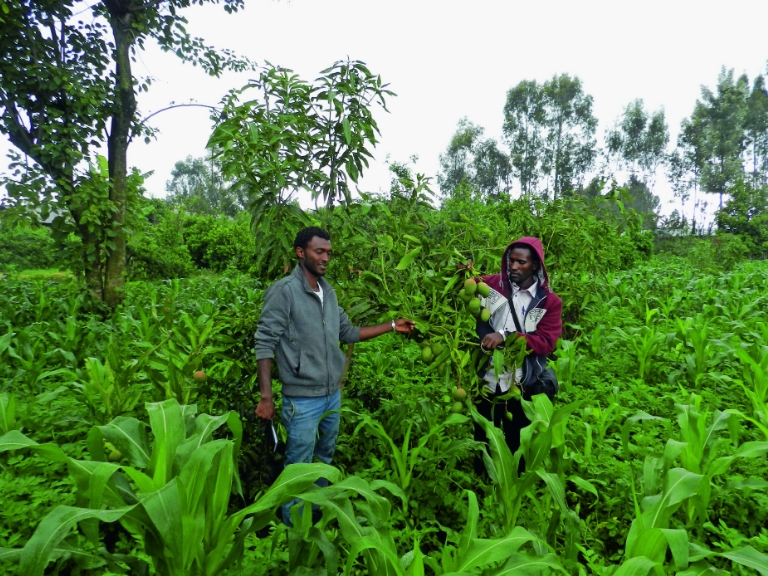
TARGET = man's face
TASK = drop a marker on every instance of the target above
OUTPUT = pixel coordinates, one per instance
(521, 267)
(315, 256)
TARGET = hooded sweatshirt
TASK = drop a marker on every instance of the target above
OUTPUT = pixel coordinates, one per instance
(542, 322)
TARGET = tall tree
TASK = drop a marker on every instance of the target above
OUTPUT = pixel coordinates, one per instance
(756, 127)
(199, 185)
(639, 141)
(67, 89)
(550, 129)
(473, 159)
(722, 114)
(570, 146)
(685, 164)
(455, 163)
(524, 132)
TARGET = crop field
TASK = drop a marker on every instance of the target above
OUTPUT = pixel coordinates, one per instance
(116, 459)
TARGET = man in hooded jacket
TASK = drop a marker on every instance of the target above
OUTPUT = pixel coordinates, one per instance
(521, 303)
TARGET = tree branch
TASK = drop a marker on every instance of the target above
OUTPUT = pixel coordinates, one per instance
(178, 106)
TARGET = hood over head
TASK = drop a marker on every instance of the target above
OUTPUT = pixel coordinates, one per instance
(536, 246)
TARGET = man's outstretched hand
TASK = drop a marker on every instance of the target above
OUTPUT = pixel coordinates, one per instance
(404, 325)
(266, 409)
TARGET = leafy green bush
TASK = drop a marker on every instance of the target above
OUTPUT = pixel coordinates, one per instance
(158, 251)
(218, 243)
(24, 248)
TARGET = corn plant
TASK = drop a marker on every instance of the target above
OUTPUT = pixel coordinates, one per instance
(652, 538)
(700, 355)
(403, 458)
(699, 448)
(542, 445)
(644, 342)
(755, 370)
(172, 496)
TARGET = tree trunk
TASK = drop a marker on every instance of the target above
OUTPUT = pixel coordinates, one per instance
(117, 146)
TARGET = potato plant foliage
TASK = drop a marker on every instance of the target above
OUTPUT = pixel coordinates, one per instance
(128, 442)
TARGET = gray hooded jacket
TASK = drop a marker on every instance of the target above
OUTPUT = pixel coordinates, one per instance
(303, 335)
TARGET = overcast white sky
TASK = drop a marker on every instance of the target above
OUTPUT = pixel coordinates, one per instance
(447, 59)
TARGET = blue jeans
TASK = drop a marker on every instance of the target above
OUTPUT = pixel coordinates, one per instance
(308, 435)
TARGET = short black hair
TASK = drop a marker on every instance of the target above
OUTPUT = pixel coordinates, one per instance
(305, 236)
(524, 246)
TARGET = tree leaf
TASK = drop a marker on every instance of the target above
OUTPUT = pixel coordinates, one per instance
(408, 259)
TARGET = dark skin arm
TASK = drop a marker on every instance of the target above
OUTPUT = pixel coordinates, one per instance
(401, 325)
(266, 406)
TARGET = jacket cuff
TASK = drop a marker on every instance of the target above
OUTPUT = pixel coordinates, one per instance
(264, 354)
(354, 335)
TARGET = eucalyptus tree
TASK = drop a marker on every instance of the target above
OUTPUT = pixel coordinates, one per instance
(475, 160)
(199, 185)
(570, 147)
(524, 132)
(756, 127)
(68, 91)
(550, 129)
(639, 141)
(685, 162)
(722, 113)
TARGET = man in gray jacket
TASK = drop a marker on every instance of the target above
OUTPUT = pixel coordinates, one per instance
(301, 324)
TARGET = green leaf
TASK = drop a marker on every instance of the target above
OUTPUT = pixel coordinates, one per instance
(129, 435)
(167, 423)
(678, 545)
(15, 440)
(38, 551)
(408, 259)
(638, 566)
(527, 564)
(749, 557)
(484, 552)
(7, 411)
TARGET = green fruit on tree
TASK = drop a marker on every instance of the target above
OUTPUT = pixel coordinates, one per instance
(474, 306)
(115, 455)
(424, 344)
(457, 407)
(442, 369)
(426, 355)
(437, 349)
(508, 416)
(469, 286)
(200, 376)
(483, 289)
(485, 315)
(464, 296)
(459, 394)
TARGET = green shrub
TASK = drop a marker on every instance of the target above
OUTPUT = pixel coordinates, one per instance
(219, 243)
(158, 251)
(23, 248)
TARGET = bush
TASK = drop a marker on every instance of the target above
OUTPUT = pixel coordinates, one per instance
(158, 251)
(23, 248)
(219, 243)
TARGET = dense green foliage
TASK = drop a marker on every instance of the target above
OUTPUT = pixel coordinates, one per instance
(23, 248)
(663, 395)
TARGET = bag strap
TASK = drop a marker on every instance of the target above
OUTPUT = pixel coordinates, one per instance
(514, 315)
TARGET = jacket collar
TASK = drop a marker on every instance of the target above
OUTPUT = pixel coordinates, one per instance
(299, 273)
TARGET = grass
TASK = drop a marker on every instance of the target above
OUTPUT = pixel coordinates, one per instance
(43, 274)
